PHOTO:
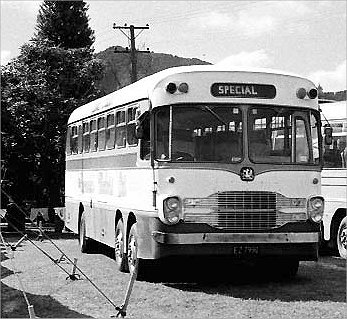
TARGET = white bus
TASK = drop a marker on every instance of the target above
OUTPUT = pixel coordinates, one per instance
(334, 179)
(185, 163)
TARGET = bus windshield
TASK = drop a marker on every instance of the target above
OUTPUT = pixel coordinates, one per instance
(283, 135)
(200, 133)
(215, 133)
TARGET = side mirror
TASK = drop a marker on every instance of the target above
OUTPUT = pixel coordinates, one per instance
(139, 130)
(328, 135)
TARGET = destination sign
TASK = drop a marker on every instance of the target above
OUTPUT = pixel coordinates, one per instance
(243, 90)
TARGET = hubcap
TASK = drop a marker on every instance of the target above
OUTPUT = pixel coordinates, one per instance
(82, 232)
(132, 253)
(343, 237)
(119, 246)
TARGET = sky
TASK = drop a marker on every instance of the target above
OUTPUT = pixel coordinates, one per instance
(302, 37)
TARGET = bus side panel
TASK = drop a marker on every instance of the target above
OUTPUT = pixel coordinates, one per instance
(73, 198)
(124, 190)
(334, 190)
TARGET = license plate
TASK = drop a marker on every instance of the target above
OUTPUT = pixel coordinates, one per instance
(246, 250)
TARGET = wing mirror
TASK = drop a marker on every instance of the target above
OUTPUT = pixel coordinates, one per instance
(142, 128)
(139, 130)
(328, 135)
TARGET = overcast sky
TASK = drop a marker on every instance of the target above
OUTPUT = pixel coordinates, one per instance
(304, 37)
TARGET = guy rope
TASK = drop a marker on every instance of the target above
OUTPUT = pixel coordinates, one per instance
(73, 276)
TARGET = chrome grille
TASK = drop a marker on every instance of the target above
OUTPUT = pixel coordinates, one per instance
(244, 211)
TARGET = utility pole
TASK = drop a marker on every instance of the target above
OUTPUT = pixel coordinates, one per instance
(133, 50)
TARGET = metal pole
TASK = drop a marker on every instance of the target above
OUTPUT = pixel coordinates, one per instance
(133, 55)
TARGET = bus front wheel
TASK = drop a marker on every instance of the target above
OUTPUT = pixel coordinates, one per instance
(282, 269)
(120, 256)
(341, 238)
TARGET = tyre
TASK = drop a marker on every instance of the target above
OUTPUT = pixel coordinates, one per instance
(84, 242)
(134, 262)
(120, 256)
(288, 268)
(341, 238)
(58, 224)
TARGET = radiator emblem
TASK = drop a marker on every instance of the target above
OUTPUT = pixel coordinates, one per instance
(247, 174)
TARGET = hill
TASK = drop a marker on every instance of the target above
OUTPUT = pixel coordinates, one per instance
(118, 66)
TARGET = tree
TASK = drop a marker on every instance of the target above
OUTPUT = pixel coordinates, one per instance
(64, 24)
(40, 89)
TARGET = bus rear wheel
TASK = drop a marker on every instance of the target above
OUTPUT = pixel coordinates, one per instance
(341, 238)
(134, 262)
(84, 242)
(120, 256)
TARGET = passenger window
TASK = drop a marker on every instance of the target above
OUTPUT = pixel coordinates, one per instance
(86, 137)
(101, 134)
(131, 126)
(93, 136)
(110, 131)
(145, 140)
(74, 140)
(80, 136)
(68, 141)
(120, 129)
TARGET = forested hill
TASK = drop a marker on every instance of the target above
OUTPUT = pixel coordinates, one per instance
(118, 66)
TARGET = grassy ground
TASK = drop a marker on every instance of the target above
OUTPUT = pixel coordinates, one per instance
(199, 291)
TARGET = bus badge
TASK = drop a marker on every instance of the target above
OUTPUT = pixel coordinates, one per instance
(247, 174)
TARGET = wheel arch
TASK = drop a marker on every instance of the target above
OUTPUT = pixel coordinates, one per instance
(80, 212)
(118, 215)
(131, 220)
(335, 221)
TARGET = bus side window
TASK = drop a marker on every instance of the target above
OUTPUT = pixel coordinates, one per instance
(80, 137)
(131, 126)
(101, 134)
(120, 129)
(145, 139)
(110, 131)
(68, 141)
(86, 137)
(74, 140)
(93, 136)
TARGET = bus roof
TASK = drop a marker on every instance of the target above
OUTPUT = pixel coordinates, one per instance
(146, 87)
(334, 111)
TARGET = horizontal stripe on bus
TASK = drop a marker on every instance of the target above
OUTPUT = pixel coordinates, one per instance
(338, 185)
(112, 161)
(335, 177)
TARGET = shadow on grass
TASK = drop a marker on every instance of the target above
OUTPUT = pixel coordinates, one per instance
(314, 281)
(99, 248)
(13, 304)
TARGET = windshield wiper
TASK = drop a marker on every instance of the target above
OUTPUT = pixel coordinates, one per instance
(205, 107)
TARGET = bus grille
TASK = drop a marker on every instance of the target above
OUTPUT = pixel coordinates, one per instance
(244, 211)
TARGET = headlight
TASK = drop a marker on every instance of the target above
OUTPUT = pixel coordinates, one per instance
(172, 210)
(315, 208)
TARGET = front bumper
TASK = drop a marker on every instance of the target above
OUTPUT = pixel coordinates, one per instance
(234, 238)
(300, 246)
